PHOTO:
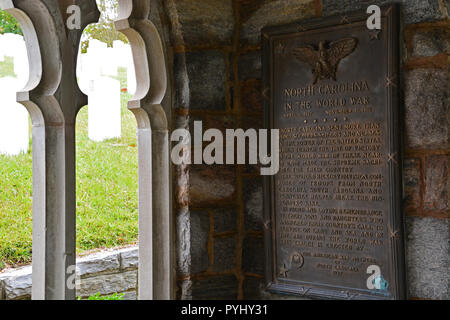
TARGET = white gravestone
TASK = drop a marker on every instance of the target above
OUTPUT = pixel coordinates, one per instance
(83, 81)
(2, 48)
(104, 109)
(100, 60)
(94, 71)
(13, 45)
(14, 125)
(110, 62)
(21, 67)
(90, 64)
(125, 59)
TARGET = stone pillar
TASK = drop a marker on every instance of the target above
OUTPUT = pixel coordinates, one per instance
(155, 222)
(162, 227)
(53, 99)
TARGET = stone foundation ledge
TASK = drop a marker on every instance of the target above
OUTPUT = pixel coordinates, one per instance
(108, 272)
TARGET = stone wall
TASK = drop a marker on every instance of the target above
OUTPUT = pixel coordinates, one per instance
(106, 272)
(214, 58)
(217, 79)
(218, 209)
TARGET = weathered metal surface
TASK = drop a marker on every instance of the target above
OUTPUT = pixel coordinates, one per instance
(335, 206)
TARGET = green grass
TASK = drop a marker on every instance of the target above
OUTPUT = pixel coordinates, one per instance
(15, 209)
(97, 296)
(107, 192)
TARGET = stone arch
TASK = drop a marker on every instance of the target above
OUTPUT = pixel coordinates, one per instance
(53, 100)
(15, 139)
(106, 153)
(155, 222)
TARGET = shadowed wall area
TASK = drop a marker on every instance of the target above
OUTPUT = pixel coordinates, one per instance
(213, 53)
(217, 79)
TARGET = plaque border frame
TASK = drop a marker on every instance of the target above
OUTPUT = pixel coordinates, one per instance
(395, 133)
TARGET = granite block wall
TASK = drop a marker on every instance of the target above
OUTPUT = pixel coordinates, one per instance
(106, 272)
(217, 79)
(214, 59)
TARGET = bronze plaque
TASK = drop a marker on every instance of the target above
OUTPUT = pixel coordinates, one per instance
(334, 226)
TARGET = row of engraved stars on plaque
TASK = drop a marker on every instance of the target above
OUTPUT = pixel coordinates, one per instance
(326, 120)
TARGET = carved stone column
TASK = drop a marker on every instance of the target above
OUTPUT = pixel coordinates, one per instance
(155, 222)
(53, 99)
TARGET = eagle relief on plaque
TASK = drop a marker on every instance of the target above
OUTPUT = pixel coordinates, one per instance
(333, 215)
(325, 59)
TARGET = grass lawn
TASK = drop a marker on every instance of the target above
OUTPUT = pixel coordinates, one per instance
(107, 190)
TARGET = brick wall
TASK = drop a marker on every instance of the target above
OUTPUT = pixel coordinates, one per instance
(217, 79)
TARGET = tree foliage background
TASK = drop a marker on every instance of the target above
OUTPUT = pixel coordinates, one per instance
(103, 31)
(8, 24)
